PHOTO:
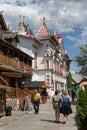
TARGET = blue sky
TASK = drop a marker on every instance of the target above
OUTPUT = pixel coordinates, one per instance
(68, 17)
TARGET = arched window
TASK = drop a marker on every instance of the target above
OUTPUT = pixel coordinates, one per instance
(35, 60)
(47, 64)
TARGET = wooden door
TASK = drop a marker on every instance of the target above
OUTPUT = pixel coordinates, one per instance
(2, 101)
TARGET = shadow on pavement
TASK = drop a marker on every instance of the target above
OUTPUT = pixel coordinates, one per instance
(48, 120)
(52, 121)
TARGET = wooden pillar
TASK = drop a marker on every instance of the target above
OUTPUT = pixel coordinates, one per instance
(16, 82)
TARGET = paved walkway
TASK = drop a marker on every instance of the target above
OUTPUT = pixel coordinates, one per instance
(43, 121)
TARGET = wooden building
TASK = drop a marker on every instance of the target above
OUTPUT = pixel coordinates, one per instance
(15, 65)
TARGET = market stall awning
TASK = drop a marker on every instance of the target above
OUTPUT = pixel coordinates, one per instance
(38, 84)
(84, 83)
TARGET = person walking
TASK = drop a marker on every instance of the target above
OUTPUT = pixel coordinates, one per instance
(66, 106)
(73, 94)
(56, 100)
(37, 101)
(28, 103)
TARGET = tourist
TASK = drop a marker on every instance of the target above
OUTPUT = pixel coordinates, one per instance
(56, 100)
(37, 101)
(73, 94)
(66, 106)
(28, 103)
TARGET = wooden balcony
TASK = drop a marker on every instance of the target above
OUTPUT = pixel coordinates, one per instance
(15, 64)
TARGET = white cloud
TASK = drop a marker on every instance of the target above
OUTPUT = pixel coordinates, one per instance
(72, 72)
(65, 12)
(71, 38)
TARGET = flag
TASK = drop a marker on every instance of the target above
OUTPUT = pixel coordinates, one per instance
(1, 12)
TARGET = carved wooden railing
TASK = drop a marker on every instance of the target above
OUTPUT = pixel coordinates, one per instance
(16, 93)
(29, 92)
(19, 94)
(26, 90)
(15, 63)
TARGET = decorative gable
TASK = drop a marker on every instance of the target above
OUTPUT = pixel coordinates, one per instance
(59, 38)
(3, 25)
(24, 30)
(43, 31)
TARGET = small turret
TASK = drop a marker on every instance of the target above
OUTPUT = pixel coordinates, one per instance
(43, 31)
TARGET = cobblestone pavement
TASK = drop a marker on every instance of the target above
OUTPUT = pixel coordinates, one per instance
(43, 121)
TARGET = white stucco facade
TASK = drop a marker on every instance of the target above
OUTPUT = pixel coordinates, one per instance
(40, 73)
(48, 63)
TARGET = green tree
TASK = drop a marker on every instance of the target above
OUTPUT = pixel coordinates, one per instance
(81, 60)
(81, 110)
(69, 82)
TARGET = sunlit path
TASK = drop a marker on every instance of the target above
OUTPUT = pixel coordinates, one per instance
(44, 120)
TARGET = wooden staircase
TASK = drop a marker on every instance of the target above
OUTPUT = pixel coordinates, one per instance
(15, 93)
(19, 94)
(29, 92)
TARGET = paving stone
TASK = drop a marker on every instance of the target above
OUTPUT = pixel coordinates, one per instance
(43, 121)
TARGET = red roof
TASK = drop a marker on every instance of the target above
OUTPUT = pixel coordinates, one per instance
(58, 35)
(28, 34)
(23, 28)
(43, 31)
